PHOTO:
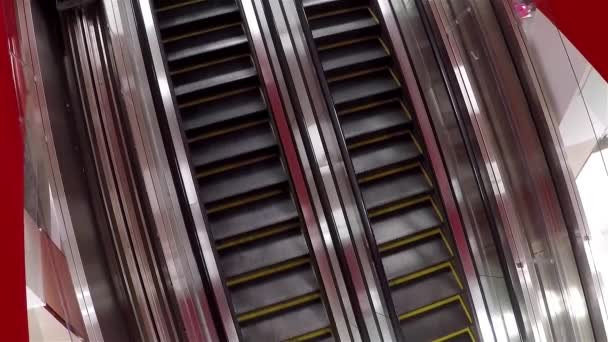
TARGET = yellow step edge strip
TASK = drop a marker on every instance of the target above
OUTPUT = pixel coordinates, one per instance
(438, 212)
(424, 272)
(208, 64)
(447, 244)
(255, 236)
(340, 11)
(233, 166)
(465, 331)
(437, 305)
(267, 271)
(385, 247)
(311, 335)
(419, 274)
(199, 33)
(375, 104)
(389, 172)
(226, 130)
(278, 307)
(182, 4)
(356, 74)
(242, 201)
(379, 138)
(348, 42)
(397, 206)
(216, 97)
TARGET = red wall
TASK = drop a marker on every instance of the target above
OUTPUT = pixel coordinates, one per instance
(585, 23)
(13, 316)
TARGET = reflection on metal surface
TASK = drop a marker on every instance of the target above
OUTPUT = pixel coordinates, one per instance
(558, 81)
(482, 318)
(319, 234)
(191, 293)
(350, 230)
(535, 232)
(33, 103)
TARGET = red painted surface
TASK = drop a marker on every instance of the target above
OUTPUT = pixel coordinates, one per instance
(13, 320)
(585, 23)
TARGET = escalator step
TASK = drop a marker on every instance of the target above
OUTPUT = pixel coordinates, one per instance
(264, 213)
(208, 12)
(243, 180)
(235, 144)
(262, 254)
(394, 151)
(275, 289)
(405, 222)
(165, 6)
(295, 322)
(353, 56)
(394, 188)
(234, 74)
(415, 257)
(360, 87)
(437, 323)
(227, 40)
(343, 25)
(382, 117)
(314, 7)
(244, 104)
(424, 291)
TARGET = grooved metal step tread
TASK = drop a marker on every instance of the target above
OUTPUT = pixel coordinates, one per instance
(221, 75)
(264, 213)
(394, 188)
(292, 323)
(184, 51)
(405, 221)
(363, 86)
(381, 155)
(352, 56)
(232, 145)
(248, 179)
(246, 103)
(342, 24)
(415, 257)
(262, 254)
(424, 291)
(166, 6)
(437, 323)
(274, 289)
(313, 7)
(382, 117)
(195, 13)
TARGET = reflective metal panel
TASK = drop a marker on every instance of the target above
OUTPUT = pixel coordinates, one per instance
(160, 187)
(445, 190)
(522, 186)
(325, 147)
(319, 235)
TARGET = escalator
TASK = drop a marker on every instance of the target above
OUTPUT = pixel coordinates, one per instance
(262, 248)
(410, 235)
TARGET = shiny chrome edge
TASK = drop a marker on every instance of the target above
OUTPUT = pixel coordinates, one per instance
(323, 248)
(470, 184)
(565, 182)
(187, 283)
(313, 107)
(534, 237)
(436, 160)
(73, 255)
(123, 206)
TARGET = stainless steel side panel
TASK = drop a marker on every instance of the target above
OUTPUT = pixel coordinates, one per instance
(329, 162)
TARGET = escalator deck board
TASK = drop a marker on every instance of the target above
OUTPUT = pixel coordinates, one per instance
(244, 187)
(411, 237)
